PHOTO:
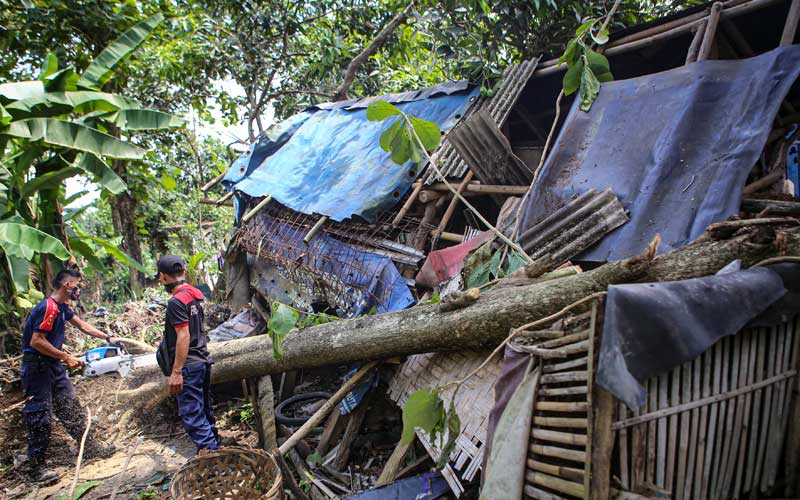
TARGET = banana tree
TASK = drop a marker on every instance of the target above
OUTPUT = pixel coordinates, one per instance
(53, 128)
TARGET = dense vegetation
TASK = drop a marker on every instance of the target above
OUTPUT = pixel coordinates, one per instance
(121, 92)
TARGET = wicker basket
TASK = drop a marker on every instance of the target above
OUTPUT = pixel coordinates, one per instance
(229, 473)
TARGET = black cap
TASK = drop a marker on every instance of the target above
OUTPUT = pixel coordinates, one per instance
(170, 264)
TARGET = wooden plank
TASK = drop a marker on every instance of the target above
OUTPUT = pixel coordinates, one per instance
(707, 361)
(572, 423)
(566, 365)
(350, 434)
(693, 430)
(558, 378)
(775, 435)
(720, 438)
(623, 450)
(672, 438)
(766, 412)
(638, 444)
(555, 483)
(661, 453)
(602, 445)
(752, 454)
(559, 437)
(752, 350)
(650, 457)
(712, 422)
(722, 484)
(569, 473)
(564, 391)
(683, 436)
(332, 430)
(554, 451)
(588, 467)
(538, 494)
(392, 467)
(565, 340)
(578, 407)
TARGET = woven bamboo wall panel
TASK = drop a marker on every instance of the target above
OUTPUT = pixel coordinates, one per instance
(715, 427)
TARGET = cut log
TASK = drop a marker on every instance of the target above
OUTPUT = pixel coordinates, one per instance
(484, 324)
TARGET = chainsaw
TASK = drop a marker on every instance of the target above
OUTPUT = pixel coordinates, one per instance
(107, 359)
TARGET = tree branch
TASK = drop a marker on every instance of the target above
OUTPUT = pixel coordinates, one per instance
(360, 59)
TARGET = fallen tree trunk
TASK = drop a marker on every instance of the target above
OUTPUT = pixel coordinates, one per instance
(482, 325)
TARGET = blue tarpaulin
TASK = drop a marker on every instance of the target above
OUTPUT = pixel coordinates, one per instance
(676, 147)
(327, 160)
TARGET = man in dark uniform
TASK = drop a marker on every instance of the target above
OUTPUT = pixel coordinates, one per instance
(45, 381)
(183, 356)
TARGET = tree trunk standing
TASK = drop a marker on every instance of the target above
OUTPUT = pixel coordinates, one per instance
(482, 325)
(123, 218)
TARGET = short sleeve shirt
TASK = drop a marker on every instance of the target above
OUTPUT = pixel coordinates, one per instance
(48, 317)
(185, 308)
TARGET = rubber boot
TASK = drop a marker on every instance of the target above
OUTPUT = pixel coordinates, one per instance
(37, 472)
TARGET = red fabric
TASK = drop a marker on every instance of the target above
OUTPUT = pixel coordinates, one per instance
(187, 293)
(178, 325)
(50, 315)
(441, 265)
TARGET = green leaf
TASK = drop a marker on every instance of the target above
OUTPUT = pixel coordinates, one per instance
(80, 490)
(597, 62)
(380, 110)
(20, 272)
(401, 146)
(101, 173)
(604, 77)
(281, 321)
(169, 182)
(388, 135)
(60, 103)
(485, 7)
(583, 28)
(20, 240)
(87, 252)
(314, 459)
(513, 262)
(453, 431)
(49, 65)
(50, 180)
(590, 88)
(423, 410)
(146, 119)
(5, 116)
(428, 132)
(65, 80)
(102, 68)
(572, 80)
(571, 54)
(73, 136)
(600, 38)
(20, 90)
(494, 263)
(119, 255)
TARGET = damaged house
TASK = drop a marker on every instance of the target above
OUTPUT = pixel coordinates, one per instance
(674, 389)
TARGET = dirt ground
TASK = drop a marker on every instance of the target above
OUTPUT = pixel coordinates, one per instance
(163, 449)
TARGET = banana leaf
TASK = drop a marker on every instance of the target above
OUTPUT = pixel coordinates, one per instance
(145, 119)
(110, 248)
(20, 272)
(15, 91)
(101, 173)
(505, 474)
(87, 252)
(20, 240)
(72, 135)
(60, 103)
(49, 180)
(102, 68)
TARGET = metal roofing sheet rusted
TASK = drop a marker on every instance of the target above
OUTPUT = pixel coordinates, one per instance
(499, 106)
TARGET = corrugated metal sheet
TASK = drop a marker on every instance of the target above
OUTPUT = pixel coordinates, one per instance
(499, 106)
(575, 227)
(487, 152)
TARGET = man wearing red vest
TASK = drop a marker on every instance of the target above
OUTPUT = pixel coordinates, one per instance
(183, 356)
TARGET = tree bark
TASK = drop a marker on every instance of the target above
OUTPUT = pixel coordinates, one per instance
(482, 325)
(123, 218)
(361, 58)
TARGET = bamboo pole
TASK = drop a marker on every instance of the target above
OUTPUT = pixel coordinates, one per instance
(623, 449)
(560, 407)
(408, 204)
(213, 182)
(697, 40)
(790, 28)
(710, 32)
(261, 204)
(314, 229)
(326, 408)
(451, 208)
(475, 187)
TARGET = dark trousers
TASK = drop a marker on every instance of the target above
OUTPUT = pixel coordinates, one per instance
(194, 406)
(48, 390)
